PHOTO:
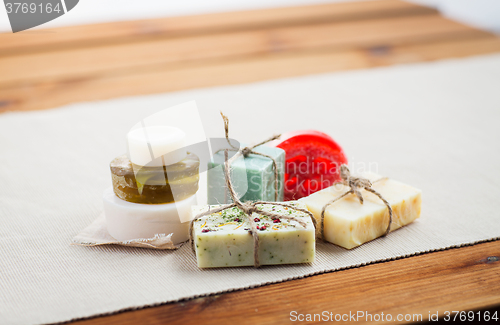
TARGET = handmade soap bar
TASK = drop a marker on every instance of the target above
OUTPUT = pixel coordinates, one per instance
(348, 223)
(222, 239)
(156, 145)
(312, 158)
(126, 220)
(154, 185)
(259, 176)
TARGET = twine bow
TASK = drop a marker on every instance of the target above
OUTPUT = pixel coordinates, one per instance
(247, 207)
(249, 150)
(355, 184)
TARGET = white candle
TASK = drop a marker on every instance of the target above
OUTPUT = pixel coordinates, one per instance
(156, 145)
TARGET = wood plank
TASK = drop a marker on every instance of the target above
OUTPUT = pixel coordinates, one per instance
(127, 31)
(162, 78)
(78, 63)
(435, 282)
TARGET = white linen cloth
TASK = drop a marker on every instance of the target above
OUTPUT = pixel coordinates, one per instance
(431, 125)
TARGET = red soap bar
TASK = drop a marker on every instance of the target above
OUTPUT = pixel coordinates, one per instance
(313, 162)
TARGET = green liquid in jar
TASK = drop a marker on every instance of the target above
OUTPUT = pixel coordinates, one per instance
(155, 185)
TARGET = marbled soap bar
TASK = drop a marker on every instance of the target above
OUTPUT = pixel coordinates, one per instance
(348, 223)
(259, 177)
(222, 239)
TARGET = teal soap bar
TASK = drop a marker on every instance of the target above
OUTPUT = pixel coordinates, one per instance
(252, 177)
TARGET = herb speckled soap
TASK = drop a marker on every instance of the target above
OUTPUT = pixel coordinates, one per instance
(222, 239)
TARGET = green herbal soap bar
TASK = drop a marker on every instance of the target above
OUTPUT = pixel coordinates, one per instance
(223, 239)
(259, 177)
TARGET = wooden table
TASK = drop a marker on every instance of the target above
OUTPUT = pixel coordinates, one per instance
(47, 68)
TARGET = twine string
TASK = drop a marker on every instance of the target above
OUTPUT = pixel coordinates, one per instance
(249, 150)
(355, 184)
(250, 207)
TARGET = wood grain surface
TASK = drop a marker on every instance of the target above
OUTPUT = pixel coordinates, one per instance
(48, 68)
(124, 32)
